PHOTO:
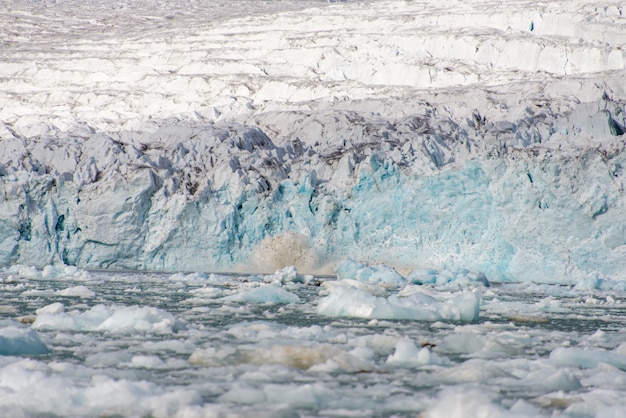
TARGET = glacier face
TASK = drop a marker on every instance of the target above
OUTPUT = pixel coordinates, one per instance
(317, 135)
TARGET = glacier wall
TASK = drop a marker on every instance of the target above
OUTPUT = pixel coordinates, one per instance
(509, 198)
(177, 135)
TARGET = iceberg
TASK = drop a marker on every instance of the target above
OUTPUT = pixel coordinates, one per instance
(345, 300)
(113, 319)
(407, 354)
(264, 294)
(381, 275)
(17, 340)
(565, 356)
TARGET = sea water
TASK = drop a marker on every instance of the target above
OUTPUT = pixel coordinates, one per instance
(197, 345)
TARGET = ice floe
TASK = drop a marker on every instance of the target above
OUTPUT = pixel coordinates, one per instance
(116, 319)
(16, 340)
(346, 300)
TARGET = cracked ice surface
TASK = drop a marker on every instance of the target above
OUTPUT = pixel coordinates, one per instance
(187, 135)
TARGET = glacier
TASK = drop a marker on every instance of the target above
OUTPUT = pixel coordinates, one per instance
(426, 137)
(312, 208)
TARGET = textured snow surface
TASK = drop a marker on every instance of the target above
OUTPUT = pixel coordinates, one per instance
(471, 136)
(180, 345)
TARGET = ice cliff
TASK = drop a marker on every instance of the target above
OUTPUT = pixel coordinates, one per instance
(419, 136)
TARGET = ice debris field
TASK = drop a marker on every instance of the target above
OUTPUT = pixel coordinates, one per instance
(78, 343)
(312, 208)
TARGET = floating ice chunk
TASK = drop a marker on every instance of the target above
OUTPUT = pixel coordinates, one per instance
(461, 403)
(462, 276)
(77, 291)
(264, 294)
(477, 345)
(606, 375)
(379, 343)
(295, 356)
(578, 357)
(204, 293)
(264, 330)
(16, 340)
(243, 394)
(407, 354)
(57, 395)
(550, 380)
(352, 302)
(526, 311)
(287, 275)
(377, 274)
(183, 277)
(610, 411)
(458, 276)
(422, 276)
(199, 278)
(154, 362)
(359, 359)
(61, 271)
(25, 272)
(596, 402)
(52, 309)
(312, 395)
(473, 370)
(521, 407)
(462, 343)
(146, 319)
(110, 319)
(372, 289)
(108, 358)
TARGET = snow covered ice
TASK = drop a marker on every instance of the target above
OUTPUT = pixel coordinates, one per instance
(417, 208)
(430, 135)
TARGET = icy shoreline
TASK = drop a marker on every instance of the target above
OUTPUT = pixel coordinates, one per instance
(419, 136)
